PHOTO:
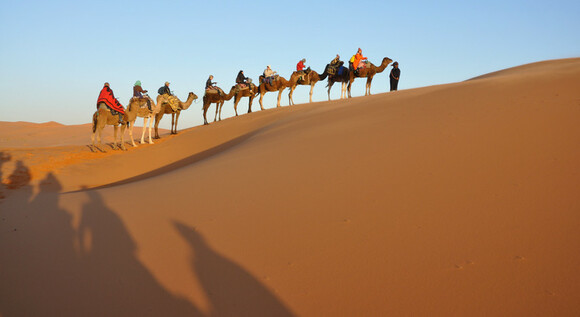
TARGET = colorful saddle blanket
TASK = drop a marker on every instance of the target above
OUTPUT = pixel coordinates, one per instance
(106, 96)
(171, 100)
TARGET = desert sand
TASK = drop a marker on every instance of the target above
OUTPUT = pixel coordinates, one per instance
(449, 200)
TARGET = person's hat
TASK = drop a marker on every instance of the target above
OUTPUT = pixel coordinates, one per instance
(138, 83)
(107, 84)
(166, 83)
(268, 66)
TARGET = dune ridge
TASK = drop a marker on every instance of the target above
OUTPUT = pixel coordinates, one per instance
(449, 200)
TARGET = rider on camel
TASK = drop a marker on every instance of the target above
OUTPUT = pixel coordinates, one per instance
(107, 97)
(138, 93)
(355, 61)
(269, 75)
(242, 80)
(210, 86)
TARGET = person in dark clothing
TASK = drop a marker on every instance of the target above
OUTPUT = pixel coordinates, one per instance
(138, 93)
(164, 90)
(210, 85)
(394, 76)
(241, 79)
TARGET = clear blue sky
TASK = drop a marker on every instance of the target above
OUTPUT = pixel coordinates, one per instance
(56, 55)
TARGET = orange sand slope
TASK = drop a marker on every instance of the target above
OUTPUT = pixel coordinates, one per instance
(451, 200)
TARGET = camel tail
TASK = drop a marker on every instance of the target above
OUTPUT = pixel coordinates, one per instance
(95, 115)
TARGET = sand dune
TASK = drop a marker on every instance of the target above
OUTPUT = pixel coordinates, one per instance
(449, 200)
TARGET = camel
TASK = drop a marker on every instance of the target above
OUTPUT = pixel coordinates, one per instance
(278, 84)
(103, 117)
(369, 72)
(138, 108)
(165, 108)
(251, 91)
(343, 78)
(218, 99)
(307, 79)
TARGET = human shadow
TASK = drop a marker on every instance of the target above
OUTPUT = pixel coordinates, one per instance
(48, 268)
(230, 289)
(113, 274)
(39, 271)
(20, 176)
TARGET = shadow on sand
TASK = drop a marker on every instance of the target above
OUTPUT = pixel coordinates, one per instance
(49, 268)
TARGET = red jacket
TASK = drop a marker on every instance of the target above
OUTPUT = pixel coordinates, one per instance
(300, 66)
(109, 99)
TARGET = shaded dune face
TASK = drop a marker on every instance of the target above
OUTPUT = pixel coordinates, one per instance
(445, 200)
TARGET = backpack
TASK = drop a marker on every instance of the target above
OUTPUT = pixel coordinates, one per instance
(161, 90)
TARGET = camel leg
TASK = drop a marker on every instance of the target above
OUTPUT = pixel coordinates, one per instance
(205, 107)
(348, 88)
(330, 83)
(157, 119)
(261, 97)
(250, 104)
(123, 127)
(236, 101)
(172, 120)
(290, 101)
(97, 137)
(131, 125)
(279, 96)
(176, 119)
(115, 129)
(221, 106)
(311, 89)
(217, 108)
(100, 138)
(145, 120)
(150, 121)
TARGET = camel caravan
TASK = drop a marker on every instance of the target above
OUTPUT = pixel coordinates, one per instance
(111, 112)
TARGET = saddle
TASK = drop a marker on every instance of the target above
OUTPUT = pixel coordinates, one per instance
(172, 101)
(248, 85)
(363, 64)
(270, 79)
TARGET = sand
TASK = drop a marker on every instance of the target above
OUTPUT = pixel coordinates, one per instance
(449, 200)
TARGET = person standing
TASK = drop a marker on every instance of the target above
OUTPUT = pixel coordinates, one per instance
(394, 76)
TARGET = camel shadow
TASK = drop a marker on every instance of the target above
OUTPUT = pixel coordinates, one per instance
(231, 290)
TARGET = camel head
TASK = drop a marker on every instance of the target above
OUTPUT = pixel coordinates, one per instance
(386, 61)
(190, 98)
